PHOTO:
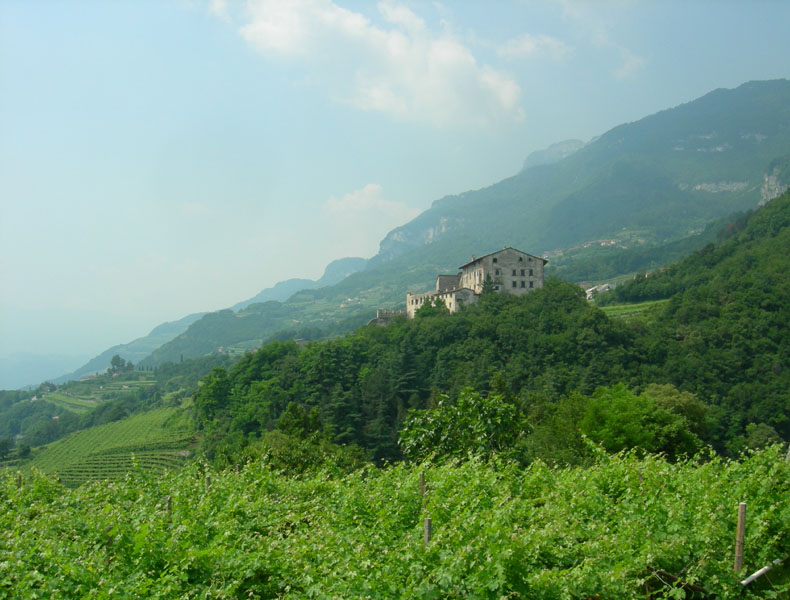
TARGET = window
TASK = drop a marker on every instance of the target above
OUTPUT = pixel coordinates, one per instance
(520, 259)
(523, 283)
(531, 273)
(514, 272)
(496, 271)
(494, 260)
(522, 272)
(514, 284)
(531, 284)
(496, 287)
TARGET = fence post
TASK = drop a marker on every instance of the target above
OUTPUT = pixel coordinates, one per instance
(168, 507)
(19, 481)
(208, 482)
(422, 484)
(739, 537)
(427, 531)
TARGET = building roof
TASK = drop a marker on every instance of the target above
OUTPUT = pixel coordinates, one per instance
(474, 260)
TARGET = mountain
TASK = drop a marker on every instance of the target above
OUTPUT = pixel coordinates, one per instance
(719, 333)
(553, 154)
(655, 184)
(659, 178)
(26, 369)
(335, 271)
(134, 351)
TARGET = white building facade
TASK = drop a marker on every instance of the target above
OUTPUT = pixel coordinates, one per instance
(509, 270)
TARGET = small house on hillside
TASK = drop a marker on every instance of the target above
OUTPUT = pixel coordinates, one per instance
(509, 270)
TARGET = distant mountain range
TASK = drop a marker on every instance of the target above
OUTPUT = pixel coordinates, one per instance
(335, 271)
(639, 188)
(139, 349)
(134, 351)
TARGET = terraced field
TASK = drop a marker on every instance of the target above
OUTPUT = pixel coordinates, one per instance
(629, 311)
(73, 403)
(155, 440)
(81, 397)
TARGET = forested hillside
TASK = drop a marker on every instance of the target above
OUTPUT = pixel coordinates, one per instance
(563, 454)
(720, 344)
(33, 418)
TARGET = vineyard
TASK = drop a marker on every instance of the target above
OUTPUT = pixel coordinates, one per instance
(628, 311)
(624, 527)
(81, 397)
(155, 440)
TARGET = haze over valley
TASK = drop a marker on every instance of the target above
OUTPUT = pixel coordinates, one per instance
(406, 299)
(217, 159)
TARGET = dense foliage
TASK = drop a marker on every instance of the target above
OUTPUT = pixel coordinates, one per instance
(724, 334)
(721, 339)
(363, 384)
(48, 413)
(497, 531)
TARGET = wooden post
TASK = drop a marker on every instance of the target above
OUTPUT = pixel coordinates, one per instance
(427, 531)
(168, 507)
(422, 484)
(208, 482)
(19, 481)
(739, 537)
(761, 572)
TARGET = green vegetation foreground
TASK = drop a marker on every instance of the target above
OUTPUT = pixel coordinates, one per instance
(498, 531)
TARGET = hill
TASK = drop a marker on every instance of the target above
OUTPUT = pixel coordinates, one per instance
(153, 441)
(134, 351)
(335, 271)
(33, 418)
(718, 335)
(647, 189)
(724, 330)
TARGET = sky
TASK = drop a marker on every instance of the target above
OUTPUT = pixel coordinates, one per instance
(165, 157)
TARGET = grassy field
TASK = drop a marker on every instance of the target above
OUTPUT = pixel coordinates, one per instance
(77, 404)
(80, 397)
(629, 311)
(154, 440)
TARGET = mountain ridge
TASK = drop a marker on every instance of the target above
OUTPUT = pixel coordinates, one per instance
(651, 182)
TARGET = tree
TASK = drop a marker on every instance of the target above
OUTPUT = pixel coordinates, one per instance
(117, 364)
(434, 308)
(5, 447)
(299, 422)
(488, 285)
(213, 394)
(474, 424)
(618, 419)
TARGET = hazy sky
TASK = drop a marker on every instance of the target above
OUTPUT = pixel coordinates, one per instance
(164, 157)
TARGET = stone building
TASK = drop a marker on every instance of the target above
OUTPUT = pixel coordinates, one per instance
(510, 271)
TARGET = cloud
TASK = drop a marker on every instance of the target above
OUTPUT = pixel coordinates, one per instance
(368, 201)
(631, 64)
(595, 19)
(400, 68)
(361, 219)
(219, 8)
(534, 46)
